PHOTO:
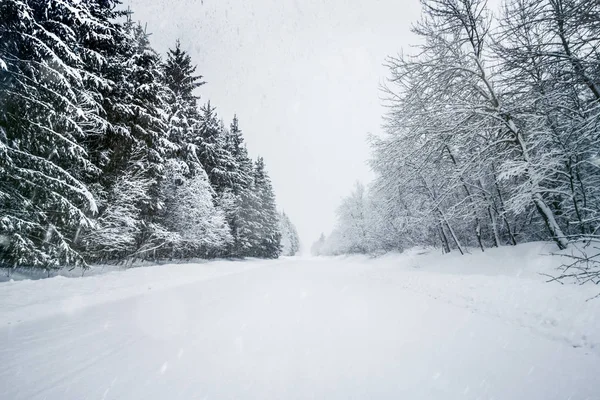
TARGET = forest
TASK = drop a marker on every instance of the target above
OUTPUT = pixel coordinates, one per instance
(492, 132)
(107, 153)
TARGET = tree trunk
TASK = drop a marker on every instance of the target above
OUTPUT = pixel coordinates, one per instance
(443, 238)
(454, 238)
(468, 192)
(494, 227)
(548, 216)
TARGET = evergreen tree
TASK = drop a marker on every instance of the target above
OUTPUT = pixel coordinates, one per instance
(210, 141)
(290, 242)
(183, 118)
(180, 75)
(247, 225)
(48, 114)
(269, 237)
(243, 206)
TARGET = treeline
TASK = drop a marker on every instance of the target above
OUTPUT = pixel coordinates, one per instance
(107, 154)
(492, 133)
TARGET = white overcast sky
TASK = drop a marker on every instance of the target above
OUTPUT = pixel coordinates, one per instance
(303, 77)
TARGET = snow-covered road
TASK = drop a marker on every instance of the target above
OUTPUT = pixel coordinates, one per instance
(286, 329)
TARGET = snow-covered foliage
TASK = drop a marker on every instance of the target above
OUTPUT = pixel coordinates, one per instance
(290, 242)
(190, 211)
(491, 132)
(48, 112)
(95, 131)
(268, 242)
(361, 228)
(119, 225)
(317, 248)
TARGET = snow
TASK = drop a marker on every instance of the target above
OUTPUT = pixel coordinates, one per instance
(417, 325)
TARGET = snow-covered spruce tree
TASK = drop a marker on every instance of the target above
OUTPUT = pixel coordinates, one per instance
(49, 113)
(210, 141)
(269, 237)
(183, 117)
(248, 225)
(208, 148)
(290, 242)
(243, 212)
(150, 129)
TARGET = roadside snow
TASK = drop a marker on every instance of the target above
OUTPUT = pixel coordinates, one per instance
(509, 283)
(26, 300)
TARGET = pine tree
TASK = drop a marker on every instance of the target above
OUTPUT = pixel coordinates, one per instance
(180, 75)
(242, 213)
(48, 113)
(247, 225)
(290, 242)
(210, 141)
(269, 237)
(183, 118)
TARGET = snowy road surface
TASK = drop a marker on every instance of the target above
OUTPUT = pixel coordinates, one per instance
(287, 329)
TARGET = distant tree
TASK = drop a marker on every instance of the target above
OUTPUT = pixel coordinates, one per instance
(290, 242)
(317, 247)
(355, 228)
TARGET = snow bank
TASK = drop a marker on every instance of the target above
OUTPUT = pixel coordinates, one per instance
(509, 283)
(25, 300)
